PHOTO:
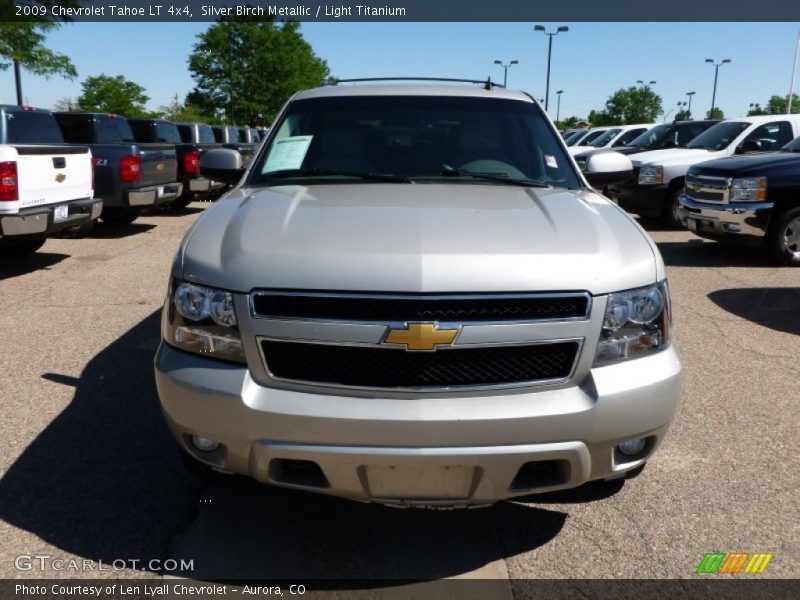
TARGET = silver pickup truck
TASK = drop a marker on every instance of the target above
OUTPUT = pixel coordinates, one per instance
(414, 297)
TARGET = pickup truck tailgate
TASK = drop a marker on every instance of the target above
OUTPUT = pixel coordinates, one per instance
(159, 164)
(53, 174)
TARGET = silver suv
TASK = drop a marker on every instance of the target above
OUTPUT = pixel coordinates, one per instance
(413, 296)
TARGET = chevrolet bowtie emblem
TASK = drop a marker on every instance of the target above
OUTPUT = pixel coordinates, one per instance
(421, 336)
(60, 177)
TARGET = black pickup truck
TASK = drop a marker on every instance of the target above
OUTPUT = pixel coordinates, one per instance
(202, 136)
(160, 131)
(751, 200)
(129, 176)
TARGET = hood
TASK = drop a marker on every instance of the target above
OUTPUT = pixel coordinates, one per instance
(745, 164)
(673, 156)
(416, 238)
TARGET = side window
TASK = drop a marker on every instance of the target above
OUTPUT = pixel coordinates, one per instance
(167, 133)
(629, 136)
(113, 130)
(772, 136)
(76, 129)
(218, 134)
(186, 133)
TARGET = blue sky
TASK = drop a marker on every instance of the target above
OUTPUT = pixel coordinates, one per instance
(589, 62)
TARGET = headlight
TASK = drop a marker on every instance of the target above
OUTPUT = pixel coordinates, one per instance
(202, 320)
(748, 189)
(637, 323)
(651, 175)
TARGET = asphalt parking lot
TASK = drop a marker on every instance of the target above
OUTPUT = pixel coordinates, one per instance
(89, 470)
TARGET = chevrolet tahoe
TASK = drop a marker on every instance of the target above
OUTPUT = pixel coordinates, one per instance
(413, 297)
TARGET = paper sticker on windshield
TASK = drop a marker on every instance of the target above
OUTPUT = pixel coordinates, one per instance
(550, 161)
(287, 153)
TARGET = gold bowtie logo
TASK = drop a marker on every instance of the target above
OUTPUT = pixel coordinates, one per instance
(421, 336)
(60, 177)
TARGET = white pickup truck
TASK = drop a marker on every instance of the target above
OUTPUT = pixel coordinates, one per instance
(45, 185)
(658, 176)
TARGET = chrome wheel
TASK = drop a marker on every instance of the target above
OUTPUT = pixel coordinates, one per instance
(791, 237)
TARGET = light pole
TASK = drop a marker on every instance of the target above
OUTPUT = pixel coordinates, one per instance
(689, 110)
(505, 69)
(558, 109)
(717, 65)
(550, 35)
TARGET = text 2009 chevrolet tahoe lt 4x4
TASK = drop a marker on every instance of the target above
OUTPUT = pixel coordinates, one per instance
(414, 297)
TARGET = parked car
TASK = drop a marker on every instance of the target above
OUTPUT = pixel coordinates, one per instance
(659, 175)
(202, 136)
(158, 131)
(749, 200)
(413, 297)
(45, 185)
(583, 138)
(614, 136)
(666, 135)
(231, 137)
(250, 135)
(129, 176)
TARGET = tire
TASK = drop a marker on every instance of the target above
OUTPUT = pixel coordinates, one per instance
(119, 218)
(669, 213)
(783, 238)
(15, 248)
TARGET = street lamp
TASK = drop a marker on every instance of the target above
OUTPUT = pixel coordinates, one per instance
(689, 110)
(558, 110)
(717, 65)
(505, 69)
(646, 85)
(550, 35)
(755, 106)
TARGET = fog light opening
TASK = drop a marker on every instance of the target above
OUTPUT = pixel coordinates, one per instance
(204, 444)
(632, 447)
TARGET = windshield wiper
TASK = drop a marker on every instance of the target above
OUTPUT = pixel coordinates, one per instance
(498, 177)
(290, 173)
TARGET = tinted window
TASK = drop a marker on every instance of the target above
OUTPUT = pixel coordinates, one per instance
(167, 133)
(772, 136)
(113, 130)
(186, 133)
(574, 137)
(719, 136)
(32, 128)
(77, 129)
(629, 136)
(219, 134)
(590, 137)
(605, 137)
(652, 137)
(233, 135)
(427, 138)
(793, 146)
(206, 134)
(255, 136)
(686, 133)
(141, 131)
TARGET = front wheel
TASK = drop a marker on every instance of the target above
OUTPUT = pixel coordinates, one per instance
(15, 248)
(783, 238)
(669, 214)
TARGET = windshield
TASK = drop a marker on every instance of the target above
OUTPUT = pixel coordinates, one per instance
(574, 137)
(654, 136)
(719, 136)
(423, 139)
(793, 146)
(590, 137)
(605, 138)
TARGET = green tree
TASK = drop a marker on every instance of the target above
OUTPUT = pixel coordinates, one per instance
(251, 68)
(627, 106)
(683, 115)
(117, 95)
(570, 122)
(177, 111)
(715, 113)
(777, 105)
(756, 110)
(22, 45)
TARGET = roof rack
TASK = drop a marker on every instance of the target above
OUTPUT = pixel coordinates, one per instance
(487, 83)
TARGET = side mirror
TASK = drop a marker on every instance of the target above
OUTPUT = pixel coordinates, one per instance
(223, 165)
(748, 146)
(607, 168)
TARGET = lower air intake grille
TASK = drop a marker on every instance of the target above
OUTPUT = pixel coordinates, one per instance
(354, 366)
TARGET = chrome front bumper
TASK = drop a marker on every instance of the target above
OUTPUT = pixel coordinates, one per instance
(432, 451)
(746, 219)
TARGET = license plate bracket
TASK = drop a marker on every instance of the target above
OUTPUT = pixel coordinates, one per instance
(60, 213)
(420, 482)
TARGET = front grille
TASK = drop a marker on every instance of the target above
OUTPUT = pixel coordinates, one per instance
(706, 189)
(403, 308)
(370, 367)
